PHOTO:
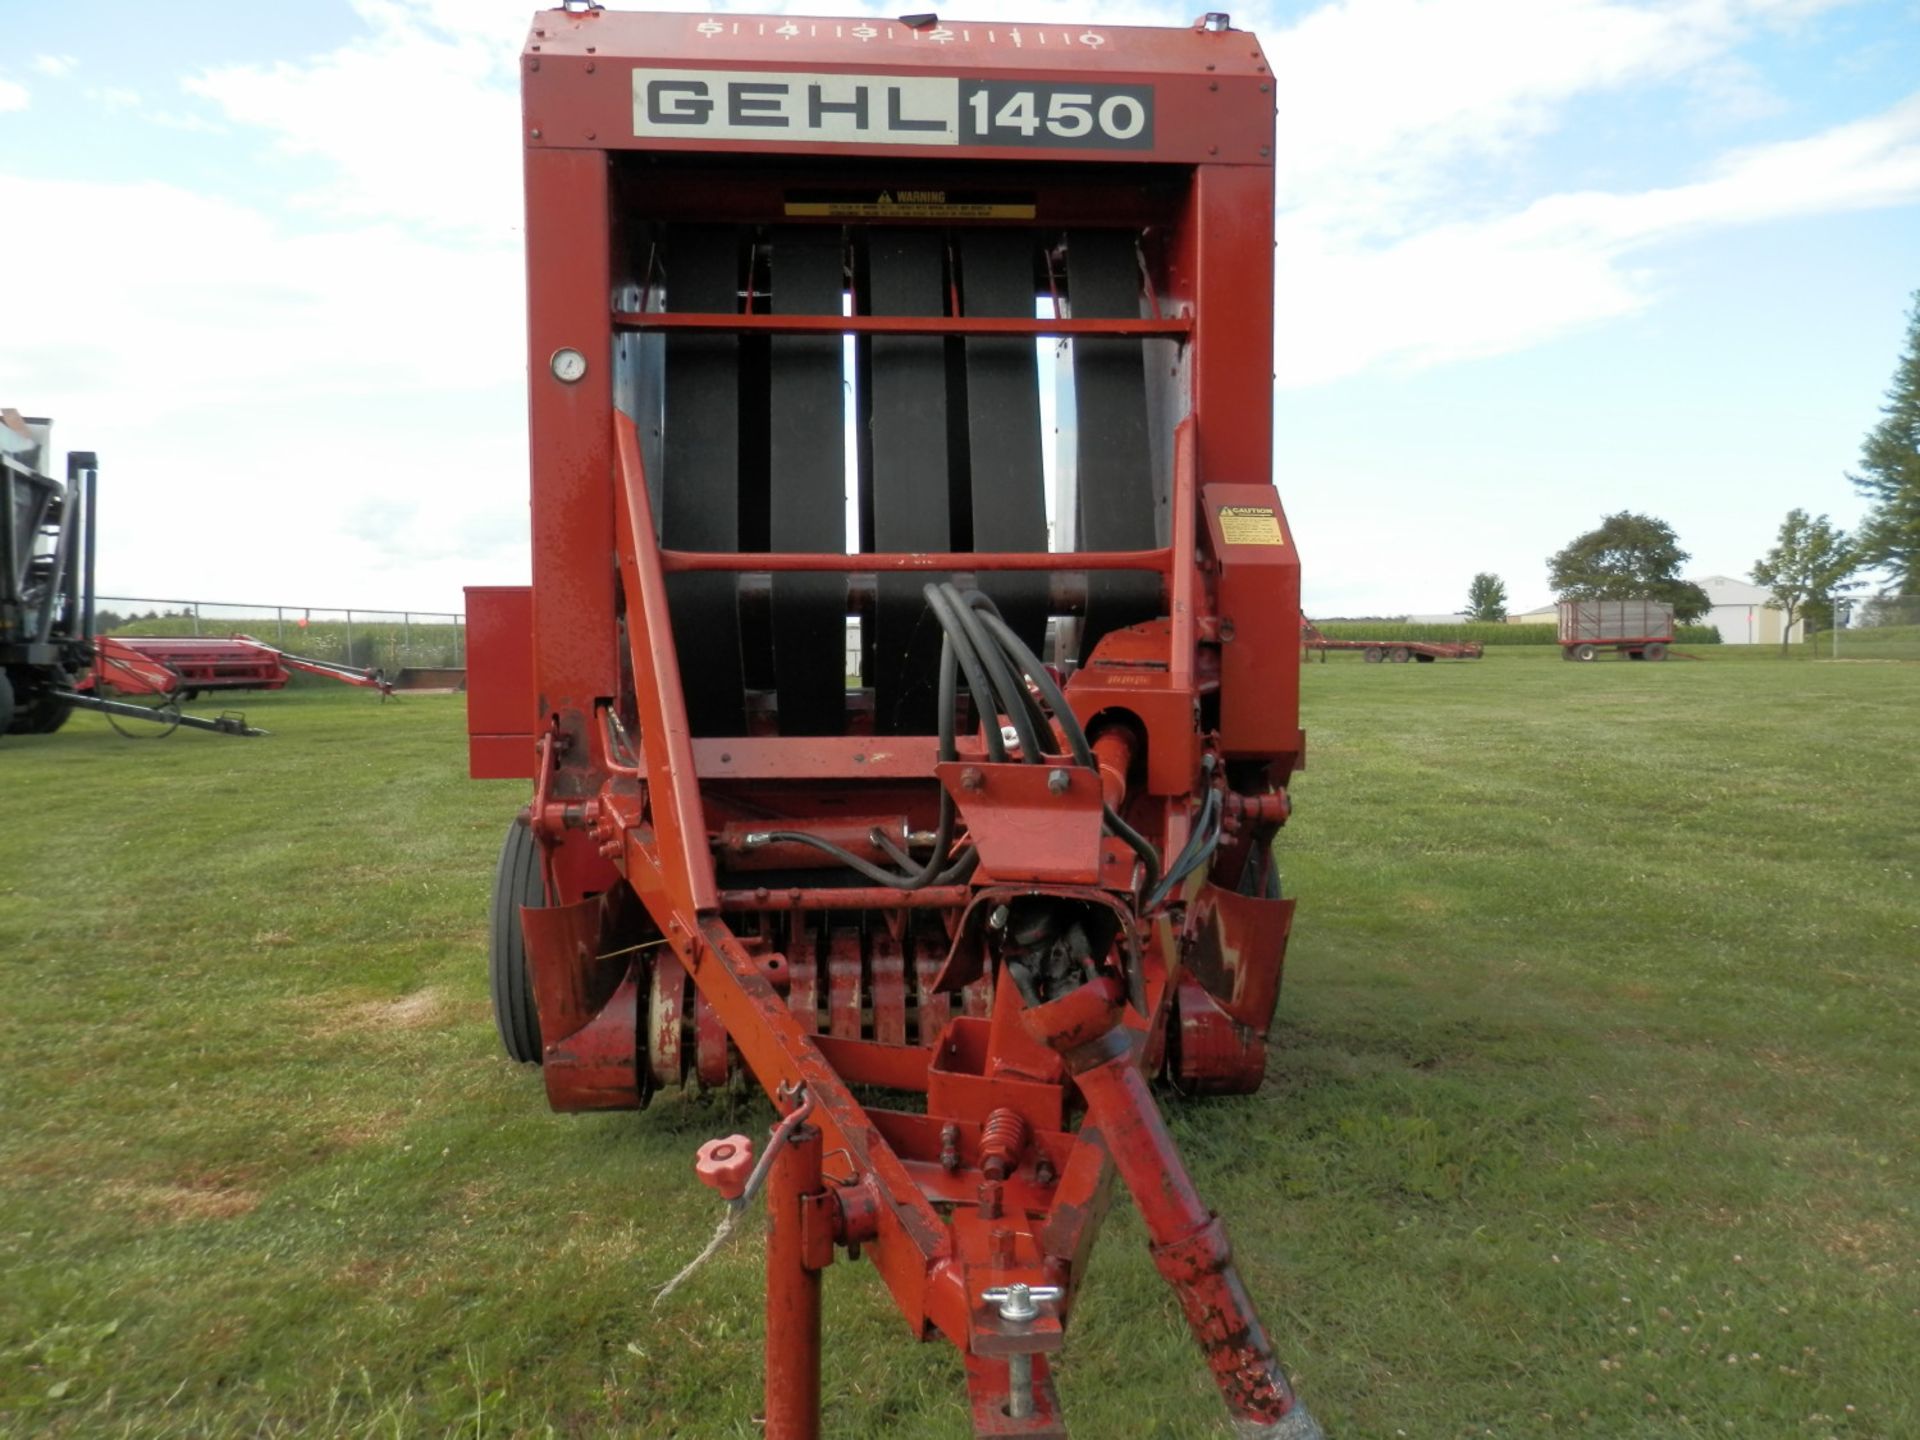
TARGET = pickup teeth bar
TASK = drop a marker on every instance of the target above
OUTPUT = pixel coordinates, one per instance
(839, 980)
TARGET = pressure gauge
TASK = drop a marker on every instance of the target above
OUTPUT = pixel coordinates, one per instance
(568, 365)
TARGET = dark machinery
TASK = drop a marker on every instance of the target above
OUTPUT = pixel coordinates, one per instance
(50, 662)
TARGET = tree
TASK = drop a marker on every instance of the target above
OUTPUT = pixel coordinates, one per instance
(1806, 568)
(1629, 557)
(1487, 598)
(1889, 535)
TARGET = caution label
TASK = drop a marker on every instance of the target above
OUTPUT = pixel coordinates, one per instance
(1250, 525)
(907, 203)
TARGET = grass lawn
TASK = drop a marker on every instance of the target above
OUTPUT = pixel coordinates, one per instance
(1592, 1109)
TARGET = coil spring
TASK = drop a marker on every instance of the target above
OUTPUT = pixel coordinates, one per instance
(1002, 1139)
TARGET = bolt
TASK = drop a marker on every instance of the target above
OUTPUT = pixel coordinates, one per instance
(533, 65)
(1058, 782)
(949, 1147)
(1019, 1302)
(535, 132)
(1019, 1387)
(971, 780)
(1043, 1172)
(589, 67)
(1018, 1305)
(590, 134)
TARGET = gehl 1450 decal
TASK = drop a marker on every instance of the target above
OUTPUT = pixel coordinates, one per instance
(889, 110)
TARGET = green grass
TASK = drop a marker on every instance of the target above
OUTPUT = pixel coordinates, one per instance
(1871, 642)
(1485, 632)
(1591, 1109)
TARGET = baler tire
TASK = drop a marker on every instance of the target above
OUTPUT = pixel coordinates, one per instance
(517, 881)
(1374, 655)
(1260, 880)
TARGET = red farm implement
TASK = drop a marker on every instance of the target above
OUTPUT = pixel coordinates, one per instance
(786, 280)
(240, 662)
(1398, 651)
(1638, 629)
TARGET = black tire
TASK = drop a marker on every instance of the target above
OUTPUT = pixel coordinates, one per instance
(42, 712)
(1423, 659)
(1655, 651)
(1374, 655)
(51, 716)
(1400, 655)
(1261, 876)
(1584, 652)
(6, 703)
(517, 881)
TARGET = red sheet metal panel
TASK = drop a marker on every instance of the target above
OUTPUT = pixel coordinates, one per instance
(1258, 593)
(605, 80)
(501, 710)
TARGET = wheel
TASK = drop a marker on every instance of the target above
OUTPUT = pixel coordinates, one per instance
(1399, 654)
(6, 703)
(1374, 655)
(1635, 655)
(1655, 651)
(517, 881)
(1423, 659)
(1566, 652)
(39, 711)
(1584, 652)
(1261, 876)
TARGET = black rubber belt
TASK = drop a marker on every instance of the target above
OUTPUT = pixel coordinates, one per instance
(699, 483)
(1009, 502)
(808, 484)
(1114, 466)
(911, 507)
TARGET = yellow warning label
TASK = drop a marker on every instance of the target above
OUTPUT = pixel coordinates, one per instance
(1250, 525)
(906, 204)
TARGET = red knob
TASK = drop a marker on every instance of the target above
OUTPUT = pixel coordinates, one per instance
(725, 1165)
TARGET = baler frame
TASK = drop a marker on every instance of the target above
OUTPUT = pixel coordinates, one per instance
(1048, 954)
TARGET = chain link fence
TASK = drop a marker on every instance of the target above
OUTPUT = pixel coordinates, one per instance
(390, 640)
(1880, 627)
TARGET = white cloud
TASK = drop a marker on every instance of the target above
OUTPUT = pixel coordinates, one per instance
(114, 97)
(13, 96)
(1399, 238)
(56, 66)
(1473, 288)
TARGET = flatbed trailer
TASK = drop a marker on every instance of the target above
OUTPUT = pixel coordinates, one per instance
(1397, 651)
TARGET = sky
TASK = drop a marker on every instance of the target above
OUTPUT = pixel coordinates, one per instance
(1538, 261)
